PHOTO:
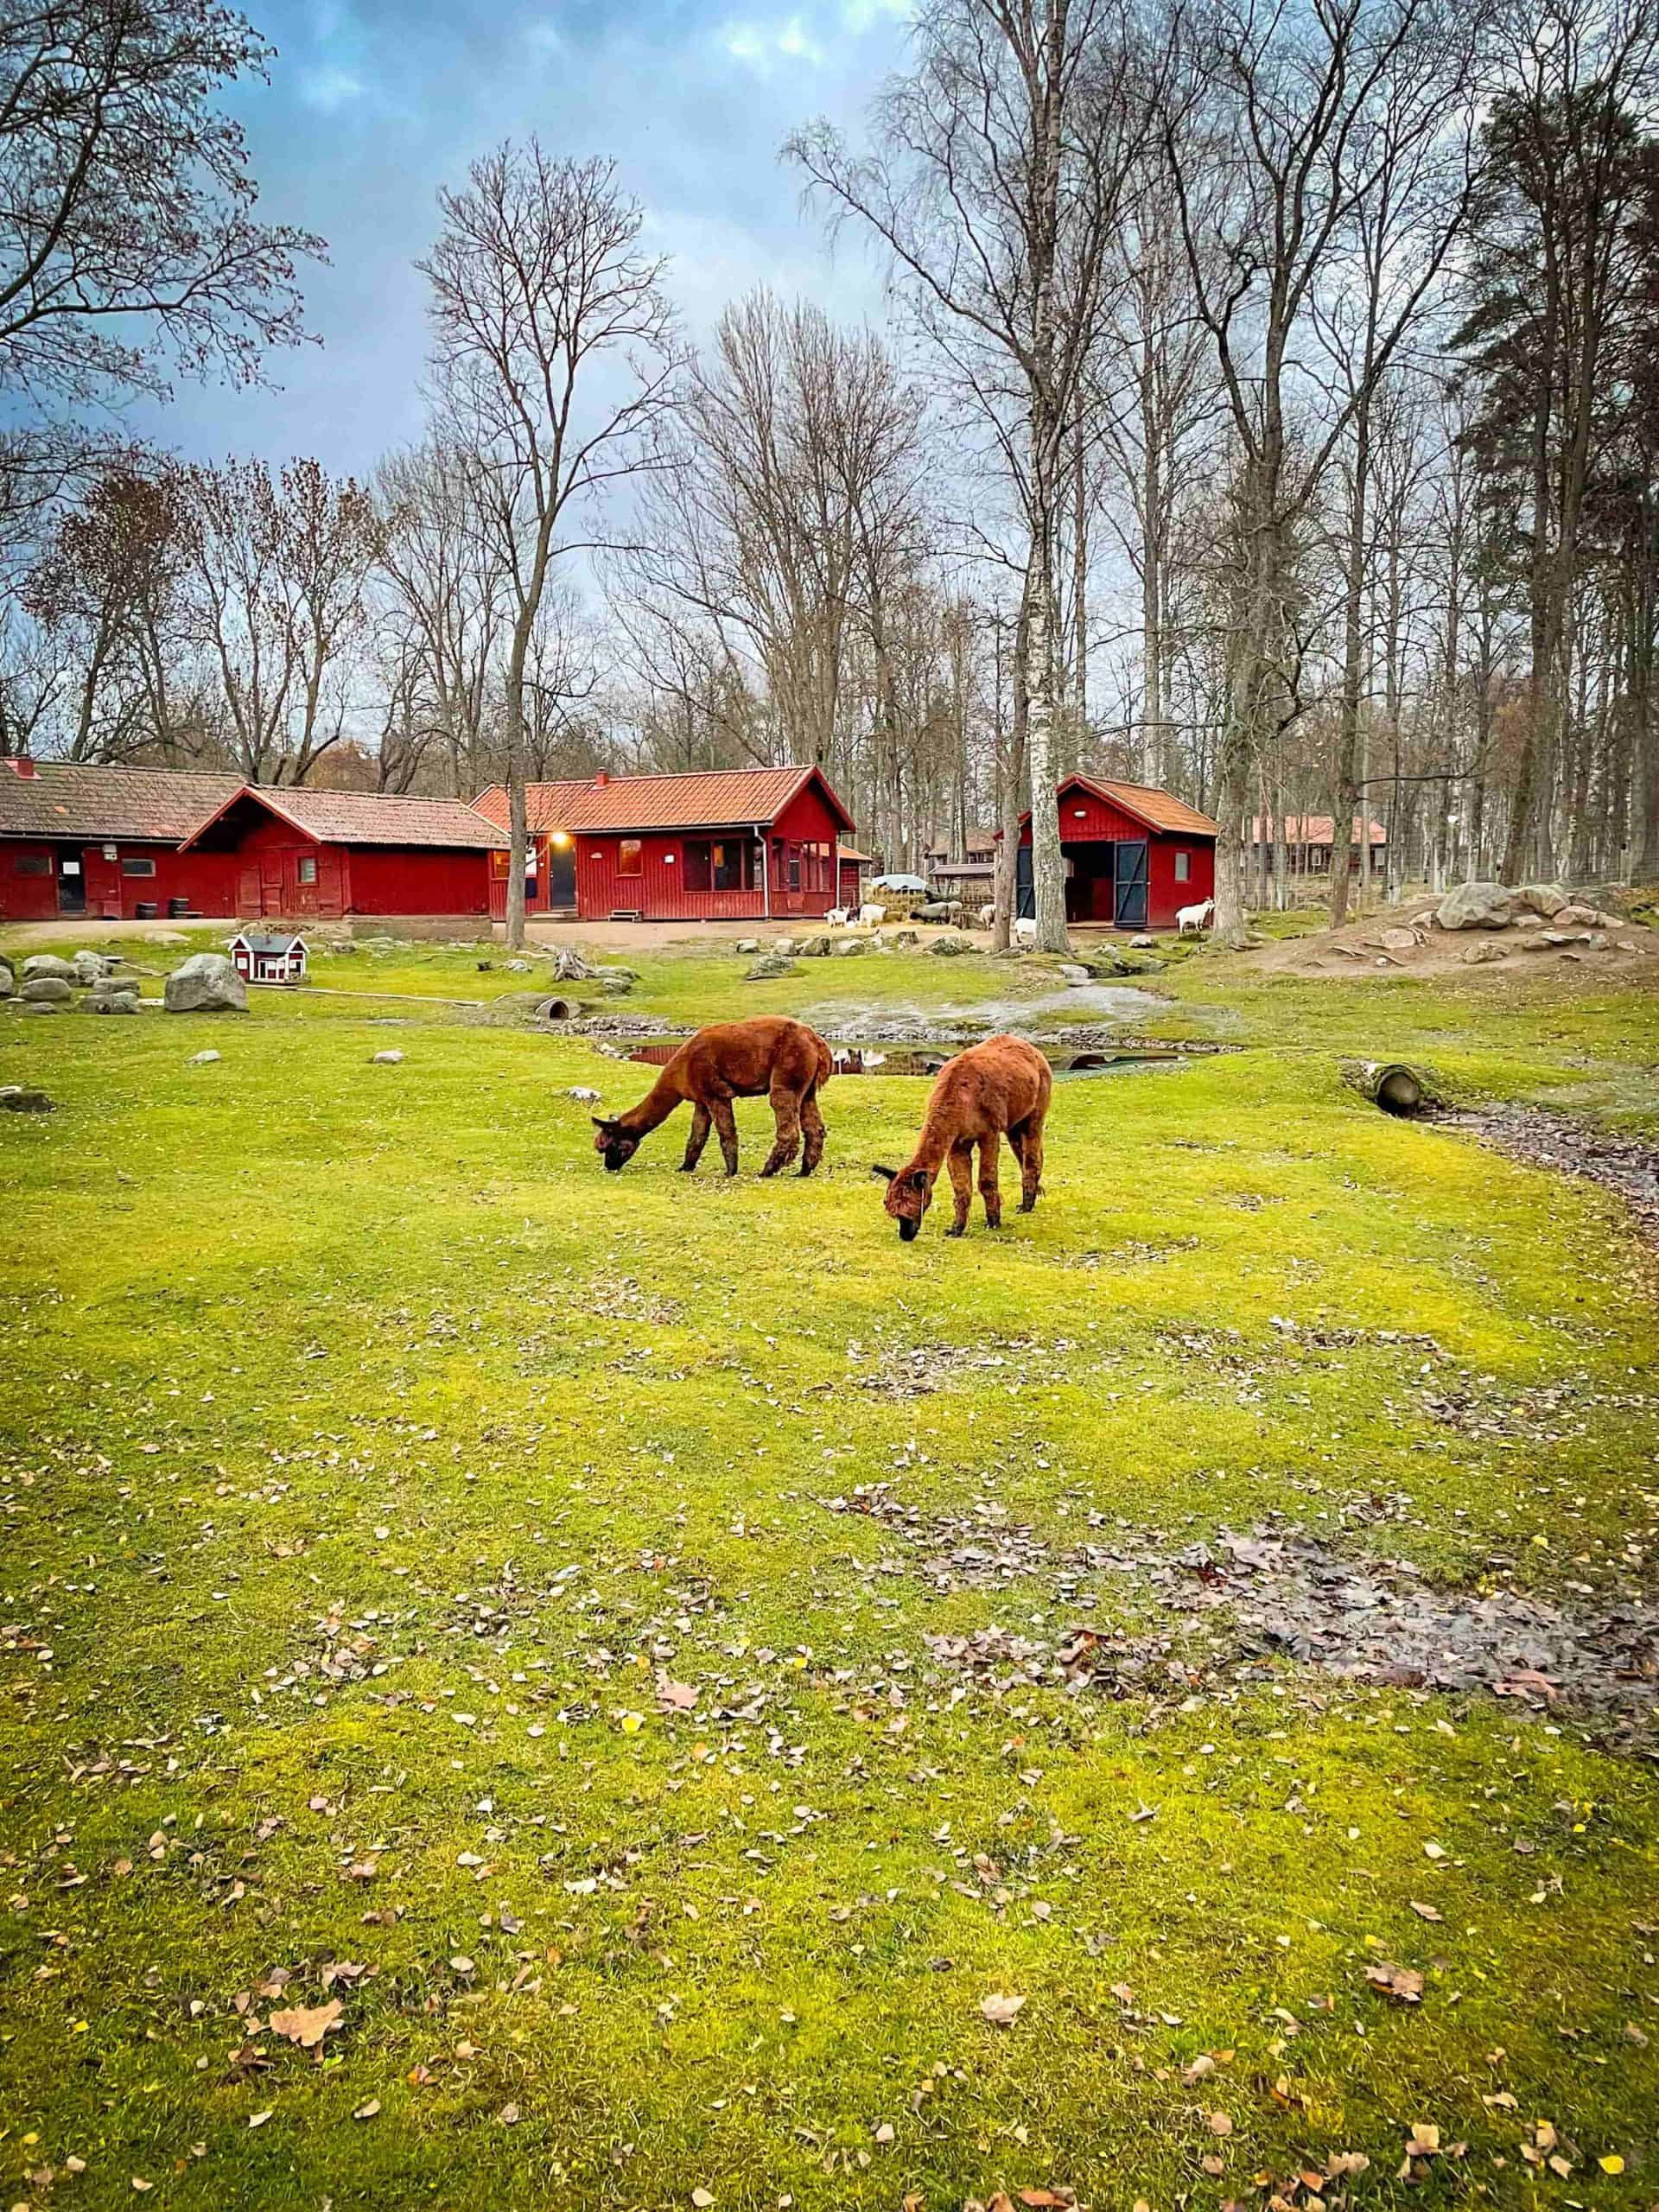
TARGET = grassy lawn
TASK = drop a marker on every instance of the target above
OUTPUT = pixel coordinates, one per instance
(430, 1587)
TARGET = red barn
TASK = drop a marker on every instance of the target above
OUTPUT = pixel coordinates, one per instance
(1134, 855)
(103, 842)
(725, 844)
(294, 852)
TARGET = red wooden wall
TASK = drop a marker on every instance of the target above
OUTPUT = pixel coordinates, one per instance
(207, 880)
(658, 890)
(1085, 818)
(417, 880)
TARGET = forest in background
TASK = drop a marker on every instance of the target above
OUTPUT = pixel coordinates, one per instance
(1268, 408)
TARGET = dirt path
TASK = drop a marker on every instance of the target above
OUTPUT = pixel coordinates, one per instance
(1627, 1166)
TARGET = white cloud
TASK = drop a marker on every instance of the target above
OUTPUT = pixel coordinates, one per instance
(760, 44)
(330, 88)
(860, 15)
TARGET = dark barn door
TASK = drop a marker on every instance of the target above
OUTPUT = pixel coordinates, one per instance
(560, 875)
(72, 882)
(1131, 869)
(1025, 895)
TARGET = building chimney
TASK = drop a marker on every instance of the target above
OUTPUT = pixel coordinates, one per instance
(601, 777)
(24, 768)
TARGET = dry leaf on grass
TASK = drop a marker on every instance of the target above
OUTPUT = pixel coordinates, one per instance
(307, 2024)
(1404, 1983)
(1001, 2011)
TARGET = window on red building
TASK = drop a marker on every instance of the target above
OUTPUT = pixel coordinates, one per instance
(630, 856)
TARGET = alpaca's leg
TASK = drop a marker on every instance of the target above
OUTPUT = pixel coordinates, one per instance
(698, 1138)
(989, 1190)
(726, 1129)
(812, 1123)
(960, 1159)
(1031, 1165)
(786, 1112)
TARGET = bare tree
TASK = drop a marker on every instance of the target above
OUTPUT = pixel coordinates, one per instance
(995, 188)
(552, 354)
(128, 242)
(1308, 113)
(276, 582)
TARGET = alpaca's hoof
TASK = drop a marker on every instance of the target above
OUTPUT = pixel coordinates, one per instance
(957, 1229)
(1028, 1205)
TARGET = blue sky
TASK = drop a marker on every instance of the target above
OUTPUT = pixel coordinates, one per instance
(374, 104)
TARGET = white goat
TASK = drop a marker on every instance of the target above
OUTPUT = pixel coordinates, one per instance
(836, 919)
(872, 917)
(1196, 918)
(987, 916)
(1024, 931)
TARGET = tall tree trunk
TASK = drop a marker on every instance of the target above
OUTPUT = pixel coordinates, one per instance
(1005, 871)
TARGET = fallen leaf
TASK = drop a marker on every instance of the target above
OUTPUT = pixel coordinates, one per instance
(1612, 2163)
(1427, 1911)
(701, 2198)
(1001, 2011)
(1220, 2123)
(258, 2119)
(307, 2024)
(367, 2111)
(1403, 1982)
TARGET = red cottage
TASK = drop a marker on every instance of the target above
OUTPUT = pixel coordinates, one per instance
(103, 842)
(727, 845)
(294, 852)
(1133, 857)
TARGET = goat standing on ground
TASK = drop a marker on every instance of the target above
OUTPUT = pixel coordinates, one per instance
(1000, 1087)
(1196, 918)
(768, 1055)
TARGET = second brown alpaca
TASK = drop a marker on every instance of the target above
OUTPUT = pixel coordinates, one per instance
(768, 1055)
(1000, 1088)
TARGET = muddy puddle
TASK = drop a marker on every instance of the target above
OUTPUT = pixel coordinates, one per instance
(902, 1058)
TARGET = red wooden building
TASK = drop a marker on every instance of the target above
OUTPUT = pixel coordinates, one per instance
(726, 844)
(295, 852)
(1134, 855)
(144, 843)
(104, 841)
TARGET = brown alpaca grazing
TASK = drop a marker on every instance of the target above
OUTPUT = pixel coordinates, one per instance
(768, 1055)
(1000, 1087)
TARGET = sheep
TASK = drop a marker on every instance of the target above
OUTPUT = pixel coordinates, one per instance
(1196, 918)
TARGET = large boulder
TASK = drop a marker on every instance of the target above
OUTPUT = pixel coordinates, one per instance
(90, 966)
(1477, 906)
(47, 991)
(949, 946)
(1544, 898)
(48, 967)
(8, 977)
(846, 948)
(768, 968)
(206, 983)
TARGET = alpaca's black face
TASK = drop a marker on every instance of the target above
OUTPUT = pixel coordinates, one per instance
(616, 1145)
(908, 1198)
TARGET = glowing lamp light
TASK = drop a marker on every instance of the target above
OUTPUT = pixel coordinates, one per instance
(561, 838)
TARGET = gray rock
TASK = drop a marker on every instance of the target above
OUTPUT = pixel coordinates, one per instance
(206, 983)
(907, 940)
(1143, 943)
(949, 946)
(48, 968)
(91, 967)
(203, 1060)
(100, 1001)
(784, 948)
(14, 1098)
(1544, 898)
(8, 979)
(1474, 956)
(1070, 972)
(1477, 906)
(615, 983)
(47, 991)
(1399, 940)
(813, 948)
(768, 968)
(848, 948)
(748, 945)
(385, 1059)
(518, 967)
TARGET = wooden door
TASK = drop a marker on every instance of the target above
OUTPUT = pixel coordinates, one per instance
(1131, 870)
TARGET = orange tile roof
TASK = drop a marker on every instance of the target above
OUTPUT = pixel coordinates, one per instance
(365, 817)
(1315, 829)
(64, 798)
(1158, 810)
(713, 798)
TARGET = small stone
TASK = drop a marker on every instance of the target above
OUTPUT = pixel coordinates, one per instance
(203, 1060)
(1143, 943)
(1399, 941)
(385, 1059)
(518, 967)
(1477, 955)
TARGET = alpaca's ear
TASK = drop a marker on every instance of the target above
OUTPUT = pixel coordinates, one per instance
(919, 1179)
(601, 1123)
(884, 1174)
